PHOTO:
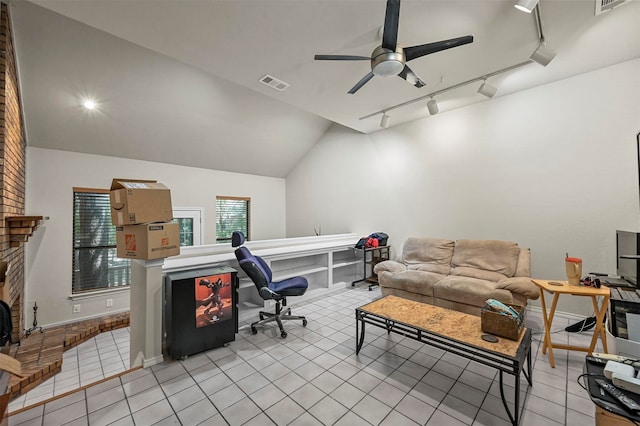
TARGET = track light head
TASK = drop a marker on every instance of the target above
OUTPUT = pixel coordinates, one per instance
(384, 122)
(432, 106)
(526, 5)
(543, 55)
(487, 90)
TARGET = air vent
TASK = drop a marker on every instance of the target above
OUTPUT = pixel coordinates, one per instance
(274, 83)
(603, 6)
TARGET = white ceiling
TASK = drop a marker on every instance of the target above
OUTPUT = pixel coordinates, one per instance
(230, 45)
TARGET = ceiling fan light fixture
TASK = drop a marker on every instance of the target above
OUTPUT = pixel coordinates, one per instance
(543, 55)
(386, 62)
(526, 5)
(384, 122)
(487, 90)
(432, 106)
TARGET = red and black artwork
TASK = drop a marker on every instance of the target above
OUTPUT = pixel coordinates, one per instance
(213, 299)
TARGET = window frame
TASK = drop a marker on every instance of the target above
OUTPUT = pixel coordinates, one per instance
(195, 214)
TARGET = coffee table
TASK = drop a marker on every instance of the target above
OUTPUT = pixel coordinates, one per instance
(452, 331)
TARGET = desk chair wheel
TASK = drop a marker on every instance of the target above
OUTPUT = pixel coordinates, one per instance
(253, 330)
(304, 322)
(283, 334)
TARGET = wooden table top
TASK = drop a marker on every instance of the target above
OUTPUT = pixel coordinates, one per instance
(445, 322)
(576, 290)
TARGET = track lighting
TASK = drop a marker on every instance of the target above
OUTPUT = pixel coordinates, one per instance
(543, 55)
(487, 90)
(432, 106)
(526, 5)
(384, 122)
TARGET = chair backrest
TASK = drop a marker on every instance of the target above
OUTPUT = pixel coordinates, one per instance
(254, 266)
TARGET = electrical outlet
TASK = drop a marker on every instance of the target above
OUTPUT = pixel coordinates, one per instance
(76, 309)
(109, 303)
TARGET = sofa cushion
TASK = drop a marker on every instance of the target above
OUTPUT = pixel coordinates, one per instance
(390, 266)
(432, 254)
(524, 263)
(520, 285)
(470, 291)
(411, 281)
(477, 273)
(486, 255)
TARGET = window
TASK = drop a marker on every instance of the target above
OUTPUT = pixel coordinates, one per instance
(95, 265)
(190, 220)
(232, 214)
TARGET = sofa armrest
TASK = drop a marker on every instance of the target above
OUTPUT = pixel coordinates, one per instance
(520, 285)
(390, 266)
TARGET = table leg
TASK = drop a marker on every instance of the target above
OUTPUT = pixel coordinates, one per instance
(548, 319)
(528, 372)
(513, 417)
(359, 335)
(599, 327)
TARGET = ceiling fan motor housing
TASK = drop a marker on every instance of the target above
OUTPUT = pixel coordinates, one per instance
(386, 62)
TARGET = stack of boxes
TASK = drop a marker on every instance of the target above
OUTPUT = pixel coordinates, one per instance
(141, 211)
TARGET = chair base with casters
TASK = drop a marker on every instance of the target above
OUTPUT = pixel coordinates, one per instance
(259, 272)
(278, 316)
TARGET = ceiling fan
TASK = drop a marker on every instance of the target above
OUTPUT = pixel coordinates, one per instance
(390, 58)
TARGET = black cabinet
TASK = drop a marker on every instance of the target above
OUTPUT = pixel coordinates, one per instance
(200, 310)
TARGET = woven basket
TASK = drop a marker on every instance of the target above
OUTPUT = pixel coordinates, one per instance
(502, 325)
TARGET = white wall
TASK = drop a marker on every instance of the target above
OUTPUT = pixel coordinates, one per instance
(51, 176)
(553, 168)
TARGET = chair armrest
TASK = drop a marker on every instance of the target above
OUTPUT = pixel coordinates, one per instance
(520, 285)
(389, 266)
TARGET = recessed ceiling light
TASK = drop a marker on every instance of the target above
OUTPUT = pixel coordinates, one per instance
(89, 104)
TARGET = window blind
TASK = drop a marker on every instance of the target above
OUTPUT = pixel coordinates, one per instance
(95, 265)
(232, 214)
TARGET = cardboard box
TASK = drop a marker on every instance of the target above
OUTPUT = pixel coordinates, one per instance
(139, 201)
(148, 241)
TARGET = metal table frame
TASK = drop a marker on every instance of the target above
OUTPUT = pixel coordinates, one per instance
(503, 363)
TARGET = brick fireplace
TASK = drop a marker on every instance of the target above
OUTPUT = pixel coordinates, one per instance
(12, 173)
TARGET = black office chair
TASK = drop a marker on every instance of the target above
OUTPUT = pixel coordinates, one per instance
(260, 273)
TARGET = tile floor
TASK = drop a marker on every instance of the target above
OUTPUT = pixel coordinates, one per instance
(313, 377)
(103, 356)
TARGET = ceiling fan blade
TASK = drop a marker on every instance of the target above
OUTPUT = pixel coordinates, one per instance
(411, 77)
(361, 83)
(414, 52)
(341, 58)
(391, 18)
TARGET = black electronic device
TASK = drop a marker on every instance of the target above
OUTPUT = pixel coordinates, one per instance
(200, 310)
(597, 360)
(628, 256)
(623, 399)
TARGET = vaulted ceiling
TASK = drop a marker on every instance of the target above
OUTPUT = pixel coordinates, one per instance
(178, 81)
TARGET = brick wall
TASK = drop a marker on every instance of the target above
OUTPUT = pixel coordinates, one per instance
(12, 171)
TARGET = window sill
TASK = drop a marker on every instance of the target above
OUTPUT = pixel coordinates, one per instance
(99, 293)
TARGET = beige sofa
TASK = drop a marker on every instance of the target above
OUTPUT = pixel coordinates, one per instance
(459, 275)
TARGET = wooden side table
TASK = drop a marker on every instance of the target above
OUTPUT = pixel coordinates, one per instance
(573, 290)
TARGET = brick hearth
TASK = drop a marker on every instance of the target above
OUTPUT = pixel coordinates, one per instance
(41, 353)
